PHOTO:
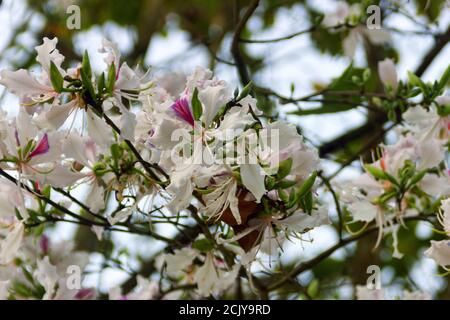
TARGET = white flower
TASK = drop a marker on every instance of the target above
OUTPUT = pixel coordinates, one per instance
(301, 222)
(439, 252)
(253, 179)
(120, 216)
(9, 198)
(427, 124)
(358, 33)
(180, 260)
(222, 197)
(27, 86)
(12, 243)
(282, 142)
(85, 151)
(207, 276)
(54, 116)
(388, 74)
(181, 187)
(435, 185)
(4, 287)
(57, 176)
(48, 277)
(364, 293)
(416, 295)
(144, 290)
(363, 211)
(444, 215)
(212, 99)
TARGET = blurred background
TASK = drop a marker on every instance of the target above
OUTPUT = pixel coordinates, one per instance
(175, 36)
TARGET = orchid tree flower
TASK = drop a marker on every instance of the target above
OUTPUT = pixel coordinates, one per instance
(85, 152)
(36, 155)
(440, 250)
(10, 245)
(374, 196)
(144, 290)
(47, 274)
(128, 84)
(35, 89)
(388, 74)
(211, 277)
(352, 15)
(428, 124)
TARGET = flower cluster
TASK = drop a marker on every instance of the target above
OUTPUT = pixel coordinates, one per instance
(410, 176)
(179, 150)
(43, 270)
(191, 146)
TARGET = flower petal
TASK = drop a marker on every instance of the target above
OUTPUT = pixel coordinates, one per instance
(253, 179)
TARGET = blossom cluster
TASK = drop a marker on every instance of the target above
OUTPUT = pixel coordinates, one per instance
(145, 149)
(409, 177)
(191, 145)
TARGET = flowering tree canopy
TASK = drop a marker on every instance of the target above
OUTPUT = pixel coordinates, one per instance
(217, 180)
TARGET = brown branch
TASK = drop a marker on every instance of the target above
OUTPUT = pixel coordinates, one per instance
(441, 42)
(148, 167)
(296, 34)
(235, 48)
(325, 254)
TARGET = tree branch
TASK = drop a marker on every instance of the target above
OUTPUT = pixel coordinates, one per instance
(325, 254)
(235, 49)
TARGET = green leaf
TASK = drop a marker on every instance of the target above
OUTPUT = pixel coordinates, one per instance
(111, 79)
(366, 74)
(284, 184)
(245, 91)
(284, 168)
(376, 172)
(101, 83)
(196, 105)
(283, 196)
(116, 152)
(417, 177)
(271, 183)
(56, 77)
(308, 202)
(313, 288)
(335, 103)
(86, 80)
(417, 82)
(293, 198)
(86, 65)
(385, 197)
(307, 185)
(203, 245)
(46, 191)
(445, 78)
(22, 290)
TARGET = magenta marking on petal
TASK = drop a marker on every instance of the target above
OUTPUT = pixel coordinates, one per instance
(16, 135)
(182, 110)
(41, 148)
(44, 244)
(84, 293)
